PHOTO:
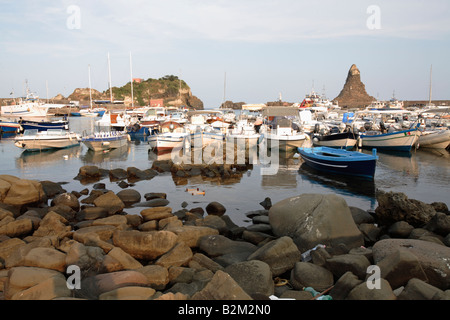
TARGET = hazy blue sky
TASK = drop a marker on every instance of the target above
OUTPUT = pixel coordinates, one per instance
(265, 47)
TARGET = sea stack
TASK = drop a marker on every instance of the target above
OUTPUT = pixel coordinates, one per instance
(354, 94)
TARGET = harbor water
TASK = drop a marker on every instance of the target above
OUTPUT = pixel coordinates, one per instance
(422, 175)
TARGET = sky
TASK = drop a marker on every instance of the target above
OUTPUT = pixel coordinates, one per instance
(239, 50)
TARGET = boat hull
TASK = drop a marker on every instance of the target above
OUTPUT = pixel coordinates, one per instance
(343, 163)
(396, 141)
(166, 143)
(44, 125)
(106, 143)
(285, 143)
(47, 143)
(340, 140)
(435, 140)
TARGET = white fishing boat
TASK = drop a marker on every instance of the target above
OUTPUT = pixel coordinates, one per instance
(243, 133)
(434, 139)
(104, 141)
(435, 133)
(280, 130)
(172, 135)
(201, 132)
(28, 107)
(34, 140)
(393, 141)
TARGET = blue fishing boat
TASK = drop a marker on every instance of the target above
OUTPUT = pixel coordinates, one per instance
(44, 125)
(340, 161)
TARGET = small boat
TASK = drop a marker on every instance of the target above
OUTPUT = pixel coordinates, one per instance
(9, 127)
(104, 141)
(335, 139)
(34, 140)
(44, 125)
(243, 132)
(434, 139)
(393, 141)
(340, 161)
(165, 142)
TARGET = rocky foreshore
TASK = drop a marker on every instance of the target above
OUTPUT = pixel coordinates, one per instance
(81, 244)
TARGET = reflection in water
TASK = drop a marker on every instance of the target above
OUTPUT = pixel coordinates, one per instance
(48, 157)
(119, 154)
(347, 185)
(286, 176)
(405, 163)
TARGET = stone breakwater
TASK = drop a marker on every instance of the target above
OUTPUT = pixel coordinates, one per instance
(56, 244)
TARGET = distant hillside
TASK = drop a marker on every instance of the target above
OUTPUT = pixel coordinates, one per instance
(174, 91)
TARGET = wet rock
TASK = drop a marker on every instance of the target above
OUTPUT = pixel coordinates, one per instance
(362, 292)
(357, 264)
(145, 245)
(67, 199)
(433, 257)
(93, 287)
(118, 174)
(17, 228)
(92, 213)
(312, 219)
(217, 245)
(400, 229)
(128, 293)
(52, 189)
(266, 204)
(155, 195)
(215, 208)
(157, 202)
(111, 202)
(439, 224)
(158, 276)
(222, 287)
(361, 216)
(393, 207)
(305, 274)
(193, 235)
(401, 266)
(253, 276)
(280, 254)
(346, 283)
(24, 193)
(129, 196)
(417, 289)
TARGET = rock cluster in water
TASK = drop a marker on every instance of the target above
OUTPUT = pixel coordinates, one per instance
(164, 253)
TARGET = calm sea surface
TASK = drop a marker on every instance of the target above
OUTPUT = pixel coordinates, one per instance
(424, 175)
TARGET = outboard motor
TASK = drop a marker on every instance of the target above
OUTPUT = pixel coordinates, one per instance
(317, 128)
(367, 126)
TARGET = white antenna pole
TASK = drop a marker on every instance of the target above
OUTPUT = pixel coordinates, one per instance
(225, 88)
(431, 83)
(90, 87)
(46, 86)
(109, 73)
(131, 74)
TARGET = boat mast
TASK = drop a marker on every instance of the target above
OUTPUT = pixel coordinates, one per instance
(431, 84)
(225, 89)
(131, 74)
(90, 86)
(109, 76)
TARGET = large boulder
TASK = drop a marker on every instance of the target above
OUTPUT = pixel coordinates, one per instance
(253, 276)
(312, 219)
(24, 192)
(396, 206)
(433, 258)
(111, 202)
(222, 287)
(281, 255)
(145, 245)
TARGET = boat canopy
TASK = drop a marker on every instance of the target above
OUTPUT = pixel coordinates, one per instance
(280, 112)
